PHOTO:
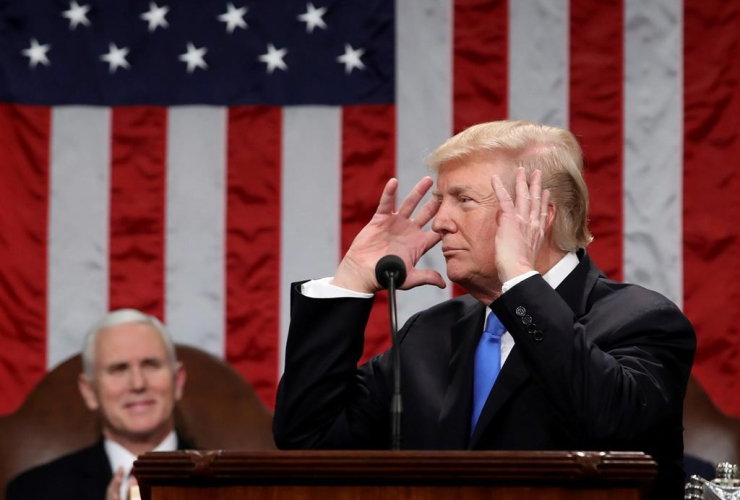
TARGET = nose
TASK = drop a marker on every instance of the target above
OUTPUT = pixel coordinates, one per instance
(138, 379)
(443, 222)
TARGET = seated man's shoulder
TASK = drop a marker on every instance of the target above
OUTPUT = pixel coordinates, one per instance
(59, 476)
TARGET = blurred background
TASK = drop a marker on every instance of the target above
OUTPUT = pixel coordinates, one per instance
(193, 158)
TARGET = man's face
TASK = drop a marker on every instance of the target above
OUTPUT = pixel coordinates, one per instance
(467, 220)
(135, 386)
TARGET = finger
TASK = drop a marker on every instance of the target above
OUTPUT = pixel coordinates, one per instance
(431, 239)
(388, 198)
(414, 197)
(114, 487)
(420, 277)
(535, 193)
(427, 211)
(522, 201)
(502, 195)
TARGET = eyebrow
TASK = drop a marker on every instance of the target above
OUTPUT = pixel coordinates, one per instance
(456, 190)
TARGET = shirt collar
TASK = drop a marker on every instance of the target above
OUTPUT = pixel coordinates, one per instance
(118, 456)
(561, 270)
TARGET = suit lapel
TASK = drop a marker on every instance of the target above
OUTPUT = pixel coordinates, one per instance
(96, 473)
(576, 287)
(454, 419)
(574, 290)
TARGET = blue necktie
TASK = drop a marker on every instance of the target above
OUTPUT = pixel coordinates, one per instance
(487, 365)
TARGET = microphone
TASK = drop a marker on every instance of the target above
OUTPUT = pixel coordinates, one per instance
(390, 267)
(390, 271)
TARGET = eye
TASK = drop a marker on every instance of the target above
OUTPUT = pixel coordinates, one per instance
(152, 364)
(118, 368)
(465, 199)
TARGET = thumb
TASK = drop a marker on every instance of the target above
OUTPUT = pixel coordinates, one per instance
(418, 277)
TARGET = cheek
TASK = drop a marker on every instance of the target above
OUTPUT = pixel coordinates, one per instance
(162, 385)
(112, 390)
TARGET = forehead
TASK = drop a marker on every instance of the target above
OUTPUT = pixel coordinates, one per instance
(473, 170)
(128, 343)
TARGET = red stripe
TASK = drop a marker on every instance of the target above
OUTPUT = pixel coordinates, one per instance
(253, 246)
(480, 62)
(711, 192)
(596, 91)
(480, 65)
(368, 161)
(137, 209)
(24, 190)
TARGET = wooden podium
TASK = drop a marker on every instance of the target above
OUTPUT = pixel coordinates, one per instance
(412, 475)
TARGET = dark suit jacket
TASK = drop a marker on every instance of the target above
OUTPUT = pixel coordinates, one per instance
(81, 475)
(602, 365)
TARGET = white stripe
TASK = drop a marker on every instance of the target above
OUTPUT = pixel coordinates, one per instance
(78, 226)
(653, 146)
(538, 61)
(424, 110)
(195, 254)
(311, 200)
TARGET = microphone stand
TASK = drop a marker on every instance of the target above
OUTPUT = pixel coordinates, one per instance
(390, 271)
(396, 401)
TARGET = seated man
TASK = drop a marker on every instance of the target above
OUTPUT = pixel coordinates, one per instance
(586, 363)
(132, 379)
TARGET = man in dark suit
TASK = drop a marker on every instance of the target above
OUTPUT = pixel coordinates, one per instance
(544, 353)
(132, 379)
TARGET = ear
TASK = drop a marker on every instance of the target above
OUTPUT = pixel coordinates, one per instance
(551, 211)
(87, 390)
(180, 377)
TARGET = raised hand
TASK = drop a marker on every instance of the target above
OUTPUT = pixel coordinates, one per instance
(522, 224)
(113, 492)
(390, 232)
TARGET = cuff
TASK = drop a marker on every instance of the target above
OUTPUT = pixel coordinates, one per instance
(323, 289)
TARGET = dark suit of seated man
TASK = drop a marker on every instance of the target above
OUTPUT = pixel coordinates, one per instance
(132, 379)
(586, 363)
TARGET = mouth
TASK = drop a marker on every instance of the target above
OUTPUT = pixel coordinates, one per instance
(450, 251)
(139, 405)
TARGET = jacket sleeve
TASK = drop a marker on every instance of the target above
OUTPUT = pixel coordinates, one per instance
(324, 400)
(615, 373)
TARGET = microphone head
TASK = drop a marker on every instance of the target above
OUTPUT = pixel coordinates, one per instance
(390, 265)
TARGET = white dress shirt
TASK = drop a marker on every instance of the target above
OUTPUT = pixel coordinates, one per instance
(323, 289)
(118, 456)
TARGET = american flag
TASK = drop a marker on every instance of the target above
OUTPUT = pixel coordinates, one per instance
(192, 158)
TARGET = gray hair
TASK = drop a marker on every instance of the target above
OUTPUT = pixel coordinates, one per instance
(117, 318)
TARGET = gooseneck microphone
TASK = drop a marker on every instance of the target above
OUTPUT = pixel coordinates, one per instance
(390, 271)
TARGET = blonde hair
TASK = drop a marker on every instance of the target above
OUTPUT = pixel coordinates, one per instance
(552, 150)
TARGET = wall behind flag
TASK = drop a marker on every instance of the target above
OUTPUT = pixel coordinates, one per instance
(194, 168)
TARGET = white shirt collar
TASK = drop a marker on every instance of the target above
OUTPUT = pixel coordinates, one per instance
(561, 270)
(118, 456)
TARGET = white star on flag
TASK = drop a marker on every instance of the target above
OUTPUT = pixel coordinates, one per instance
(77, 14)
(233, 17)
(351, 58)
(37, 53)
(313, 17)
(274, 58)
(194, 57)
(116, 58)
(156, 16)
